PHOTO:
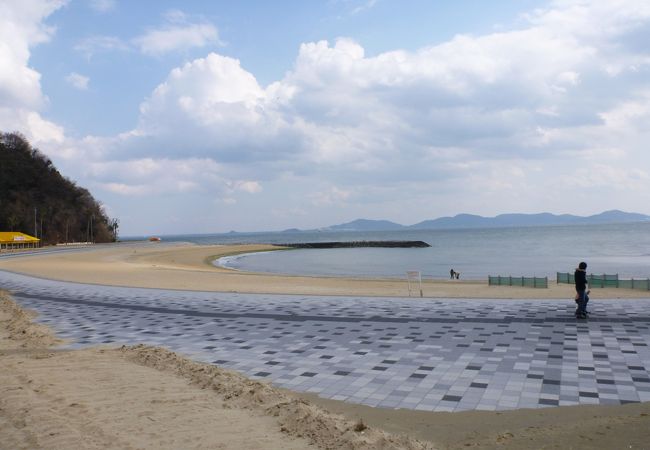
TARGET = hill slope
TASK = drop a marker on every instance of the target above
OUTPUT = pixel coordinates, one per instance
(36, 199)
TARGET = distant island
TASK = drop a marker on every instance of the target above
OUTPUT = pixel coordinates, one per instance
(502, 220)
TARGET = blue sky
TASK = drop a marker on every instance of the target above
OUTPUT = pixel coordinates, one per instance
(198, 117)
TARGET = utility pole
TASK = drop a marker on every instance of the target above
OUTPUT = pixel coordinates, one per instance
(35, 226)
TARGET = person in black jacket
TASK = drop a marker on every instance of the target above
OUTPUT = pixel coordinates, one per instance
(582, 294)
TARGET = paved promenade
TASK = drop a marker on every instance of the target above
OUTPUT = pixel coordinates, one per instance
(425, 354)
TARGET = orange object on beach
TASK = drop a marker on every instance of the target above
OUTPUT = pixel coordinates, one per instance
(154, 239)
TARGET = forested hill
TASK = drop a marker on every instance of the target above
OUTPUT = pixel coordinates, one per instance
(36, 199)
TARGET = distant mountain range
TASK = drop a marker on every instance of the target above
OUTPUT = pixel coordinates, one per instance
(502, 220)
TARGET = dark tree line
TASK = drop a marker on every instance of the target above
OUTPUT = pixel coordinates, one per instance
(36, 199)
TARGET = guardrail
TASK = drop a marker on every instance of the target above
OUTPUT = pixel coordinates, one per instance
(534, 282)
(606, 280)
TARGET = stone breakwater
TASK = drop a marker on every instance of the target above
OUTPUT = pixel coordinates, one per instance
(351, 244)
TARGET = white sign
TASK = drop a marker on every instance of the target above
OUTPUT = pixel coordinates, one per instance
(414, 279)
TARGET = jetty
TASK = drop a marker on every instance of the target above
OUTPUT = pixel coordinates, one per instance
(357, 244)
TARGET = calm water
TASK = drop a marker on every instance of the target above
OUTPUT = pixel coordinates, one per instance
(475, 253)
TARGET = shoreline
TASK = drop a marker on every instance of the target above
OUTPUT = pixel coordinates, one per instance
(189, 267)
(144, 391)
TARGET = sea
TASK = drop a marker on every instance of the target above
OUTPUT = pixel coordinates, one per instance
(622, 249)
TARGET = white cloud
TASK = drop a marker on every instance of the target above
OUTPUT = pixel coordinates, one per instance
(21, 98)
(175, 16)
(368, 4)
(220, 106)
(460, 116)
(177, 34)
(41, 130)
(21, 27)
(77, 81)
(154, 177)
(532, 115)
(251, 187)
(102, 5)
(289, 212)
(125, 189)
(630, 115)
(605, 176)
(32, 124)
(503, 95)
(226, 201)
(333, 195)
(95, 44)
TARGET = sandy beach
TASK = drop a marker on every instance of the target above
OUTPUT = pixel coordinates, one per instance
(146, 397)
(190, 267)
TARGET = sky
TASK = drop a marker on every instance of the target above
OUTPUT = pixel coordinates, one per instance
(208, 116)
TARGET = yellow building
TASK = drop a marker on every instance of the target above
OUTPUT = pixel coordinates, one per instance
(10, 240)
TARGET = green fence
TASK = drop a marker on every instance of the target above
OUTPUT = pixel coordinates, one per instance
(534, 282)
(565, 278)
(607, 280)
(635, 284)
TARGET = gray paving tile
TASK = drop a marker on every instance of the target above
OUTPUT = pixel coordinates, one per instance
(432, 355)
